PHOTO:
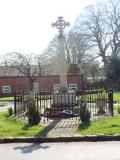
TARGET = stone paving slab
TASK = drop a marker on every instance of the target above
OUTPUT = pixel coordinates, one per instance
(61, 128)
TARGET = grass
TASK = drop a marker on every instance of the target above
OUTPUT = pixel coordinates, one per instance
(107, 126)
(116, 107)
(11, 127)
(7, 99)
(12, 98)
(116, 96)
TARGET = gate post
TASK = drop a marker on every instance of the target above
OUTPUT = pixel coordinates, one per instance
(110, 101)
(37, 98)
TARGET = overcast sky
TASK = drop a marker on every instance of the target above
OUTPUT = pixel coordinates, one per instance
(25, 25)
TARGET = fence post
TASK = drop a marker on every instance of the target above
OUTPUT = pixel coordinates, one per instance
(37, 99)
(110, 101)
(15, 103)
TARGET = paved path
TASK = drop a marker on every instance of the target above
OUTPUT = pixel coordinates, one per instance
(61, 128)
(7, 105)
(61, 151)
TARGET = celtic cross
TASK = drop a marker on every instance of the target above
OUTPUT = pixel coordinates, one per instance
(60, 24)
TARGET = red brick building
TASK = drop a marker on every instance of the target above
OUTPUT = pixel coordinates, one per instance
(10, 84)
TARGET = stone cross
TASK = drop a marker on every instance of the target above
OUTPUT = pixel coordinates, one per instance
(60, 24)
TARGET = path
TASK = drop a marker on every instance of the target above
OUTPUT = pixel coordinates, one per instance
(7, 104)
(61, 128)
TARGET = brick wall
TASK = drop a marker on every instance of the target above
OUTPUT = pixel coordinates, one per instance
(16, 83)
(44, 82)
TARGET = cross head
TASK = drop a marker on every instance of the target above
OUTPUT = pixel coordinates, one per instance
(60, 24)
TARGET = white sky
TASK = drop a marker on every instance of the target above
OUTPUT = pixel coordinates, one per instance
(25, 25)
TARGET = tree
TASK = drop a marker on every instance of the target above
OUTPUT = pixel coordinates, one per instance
(100, 24)
(49, 57)
(113, 69)
(76, 52)
(76, 48)
(113, 16)
(27, 65)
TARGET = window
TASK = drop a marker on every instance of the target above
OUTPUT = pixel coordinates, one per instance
(56, 87)
(6, 89)
(72, 86)
(35, 86)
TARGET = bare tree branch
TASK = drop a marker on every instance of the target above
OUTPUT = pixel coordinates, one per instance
(26, 65)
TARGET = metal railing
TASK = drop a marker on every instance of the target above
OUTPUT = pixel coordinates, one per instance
(66, 105)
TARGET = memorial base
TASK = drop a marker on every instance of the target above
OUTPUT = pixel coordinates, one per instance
(64, 100)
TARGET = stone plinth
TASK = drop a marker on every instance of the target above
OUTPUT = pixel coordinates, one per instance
(64, 100)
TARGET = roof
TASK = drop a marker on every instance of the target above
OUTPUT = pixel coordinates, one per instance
(10, 71)
(6, 71)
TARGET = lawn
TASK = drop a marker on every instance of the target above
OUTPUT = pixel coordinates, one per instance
(106, 126)
(116, 96)
(11, 127)
(12, 98)
(7, 99)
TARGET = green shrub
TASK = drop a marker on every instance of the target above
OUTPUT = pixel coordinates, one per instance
(101, 95)
(33, 112)
(84, 112)
(10, 112)
(82, 101)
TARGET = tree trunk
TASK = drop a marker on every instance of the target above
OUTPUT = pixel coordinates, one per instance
(31, 81)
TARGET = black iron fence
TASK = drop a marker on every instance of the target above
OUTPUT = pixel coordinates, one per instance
(66, 105)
